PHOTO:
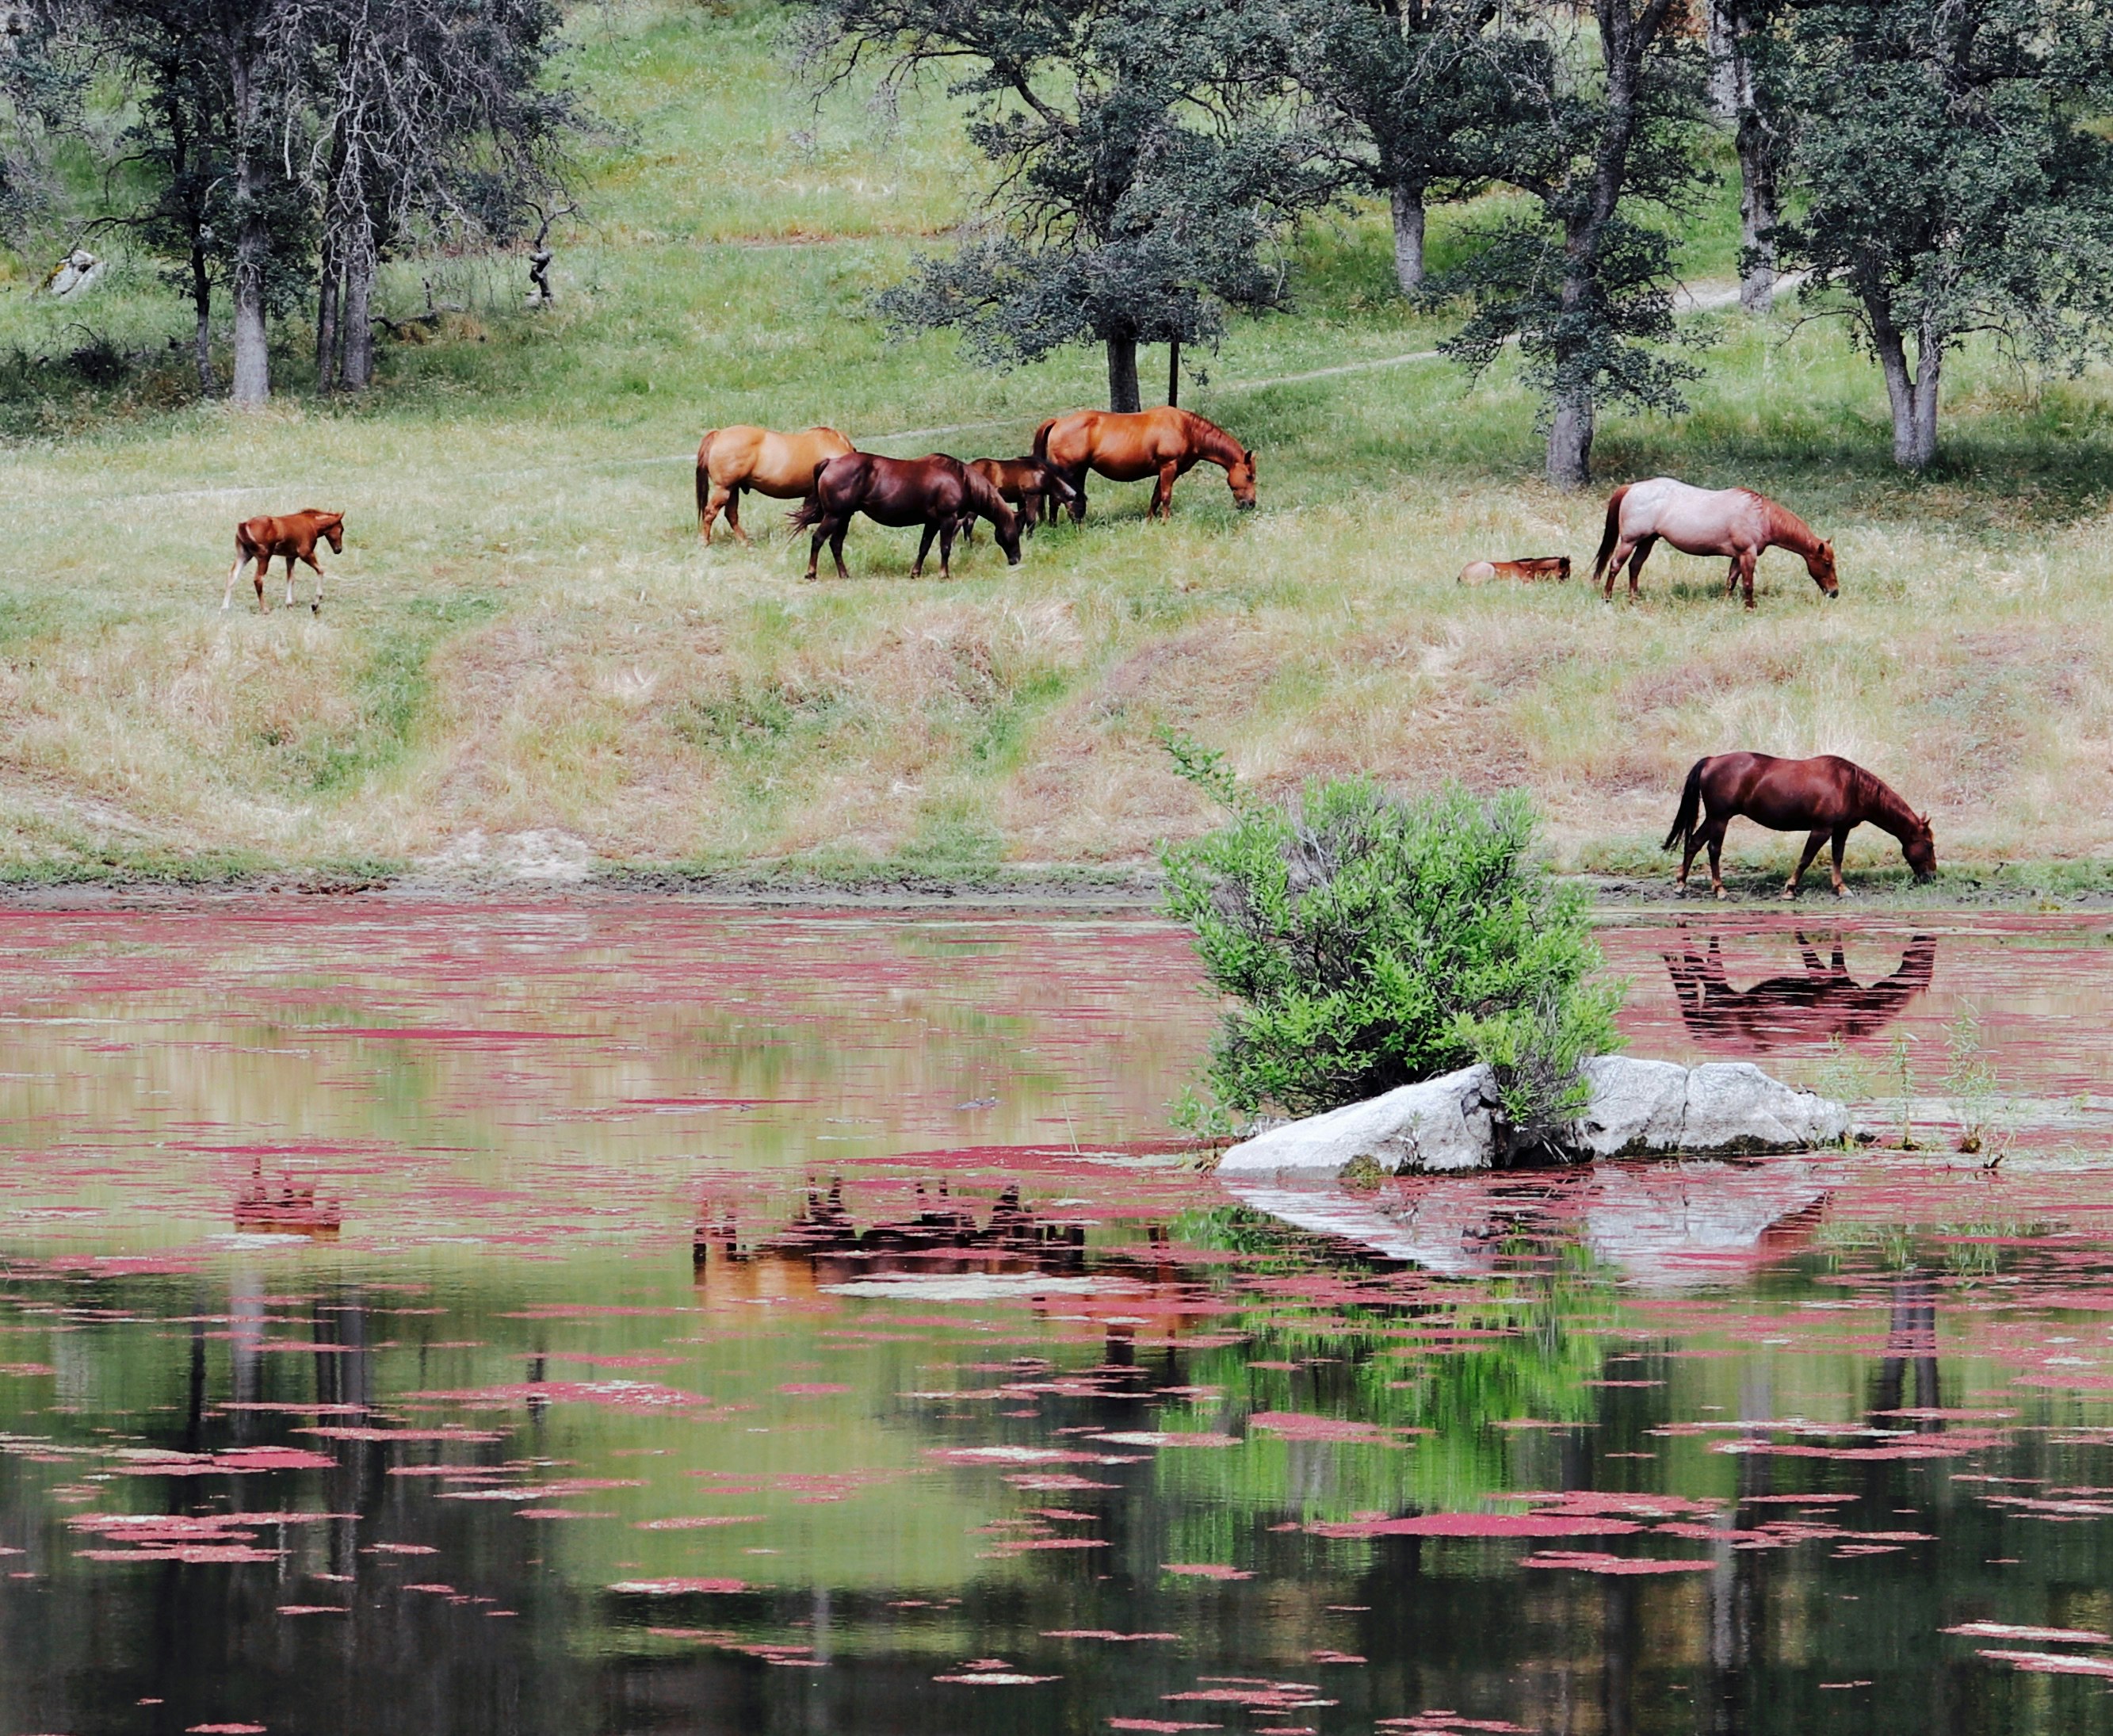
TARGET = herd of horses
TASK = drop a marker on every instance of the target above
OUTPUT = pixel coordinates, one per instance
(1826, 797)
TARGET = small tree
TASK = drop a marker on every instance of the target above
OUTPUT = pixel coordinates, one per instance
(1584, 289)
(1143, 177)
(1367, 943)
(1954, 180)
(1420, 86)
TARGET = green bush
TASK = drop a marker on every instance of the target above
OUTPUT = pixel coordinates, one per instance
(1366, 942)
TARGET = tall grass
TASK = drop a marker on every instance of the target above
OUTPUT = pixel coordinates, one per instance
(523, 632)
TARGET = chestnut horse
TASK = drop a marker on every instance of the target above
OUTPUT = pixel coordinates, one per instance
(1528, 569)
(1828, 796)
(1024, 484)
(1735, 521)
(940, 493)
(779, 465)
(1166, 443)
(264, 540)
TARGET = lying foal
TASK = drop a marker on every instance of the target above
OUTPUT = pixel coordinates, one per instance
(293, 536)
(1532, 567)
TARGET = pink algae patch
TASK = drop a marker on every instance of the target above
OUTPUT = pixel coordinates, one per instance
(1482, 1525)
(699, 1521)
(1159, 1726)
(1294, 1425)
(223, 1729)
(1108, 1633)
(2052, 1663)
(1204, 1570)
(2055, 1636)
(677, 1587)
(813, 1389)
(1589, 1561)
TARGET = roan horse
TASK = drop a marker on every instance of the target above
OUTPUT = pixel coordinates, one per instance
(264, 540)
(779, 465)
(940, 493)
(1828, 796)
(1024, 484)
(1734, 521)
(1166, 443)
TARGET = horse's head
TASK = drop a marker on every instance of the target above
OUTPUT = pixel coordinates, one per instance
(1240, 477)
(1919, 847)
(1005, 526)
(330, 526)
(1054, 487)
(1820, 563)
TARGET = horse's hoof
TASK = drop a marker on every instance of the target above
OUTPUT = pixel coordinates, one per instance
(1790, 894)
(1722, 894)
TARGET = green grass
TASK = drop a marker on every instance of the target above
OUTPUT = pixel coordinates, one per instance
(524, 635)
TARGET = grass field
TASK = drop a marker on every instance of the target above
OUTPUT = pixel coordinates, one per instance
(523, 635)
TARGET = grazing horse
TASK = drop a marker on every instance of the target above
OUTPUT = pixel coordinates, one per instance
(1023, 483)
(264, 540)
(1734, 521)
(940, 493)
(1531, 567)
(1166, 443)
(779, 465)
(1828, 796)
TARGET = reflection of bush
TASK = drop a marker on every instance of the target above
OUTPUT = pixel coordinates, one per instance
(1368, 943)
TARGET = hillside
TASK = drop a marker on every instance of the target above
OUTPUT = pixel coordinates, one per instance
(523, 635)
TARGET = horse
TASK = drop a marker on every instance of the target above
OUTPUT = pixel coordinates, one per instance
(1166, 443)
(1531, 567)
(264, 540)
(940, 493)
(1024, 484)
(779, 465)
(1828, 796)
(1734, 521)
(1820, 1002)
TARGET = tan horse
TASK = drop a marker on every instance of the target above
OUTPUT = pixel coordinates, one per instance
(780, 465)
(294, 535)
(1165, 443)
(1700, 521)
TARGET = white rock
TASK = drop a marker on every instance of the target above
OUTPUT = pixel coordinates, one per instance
(1637, 1106)
(1440, 1124)
(1734, 1106)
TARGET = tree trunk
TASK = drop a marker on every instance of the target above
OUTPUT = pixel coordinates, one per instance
(361, 266)
(1173, 373)
(252, 360)
(1759, 211)
(1913, 396)
(1407, 202)
(1122, 375)
(201, 305)
(327, 292)
(1570, 443)
(1724, 53)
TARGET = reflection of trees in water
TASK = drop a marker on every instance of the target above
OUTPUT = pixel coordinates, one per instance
(1908, 1372)
(1821, 1002)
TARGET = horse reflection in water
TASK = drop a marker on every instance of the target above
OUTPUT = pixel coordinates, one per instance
(1814, 1005)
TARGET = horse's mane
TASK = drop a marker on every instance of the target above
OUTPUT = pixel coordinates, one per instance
(1782, 519)
(1873, 792)
(1210, 438)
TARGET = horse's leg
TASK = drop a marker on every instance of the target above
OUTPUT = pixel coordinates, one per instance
(837, 546)
(733, 517)
(814, 550)
(316, 606)
(1622, 551)
(925, 548)
(1841, 843)
(1745, 566)
(234, 572)
(1688, 860)
(947, 546)
(1162, 494)
(291, 559)
(1731, 578)
(257, 574)
(1715, 840)
(1644, 544)
(1077, 479)
(1812, 844)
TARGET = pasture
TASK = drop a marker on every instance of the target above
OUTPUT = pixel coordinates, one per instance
(525, 635)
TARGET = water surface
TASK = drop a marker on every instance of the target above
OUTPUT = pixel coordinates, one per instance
(628, 1317)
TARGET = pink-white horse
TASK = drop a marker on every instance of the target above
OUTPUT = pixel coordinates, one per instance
(1734, 521)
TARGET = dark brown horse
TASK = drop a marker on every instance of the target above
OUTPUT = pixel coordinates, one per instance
(1165, 443)
(1734, 521)
(940, 493)
(1827, 797)
(1026, 484)
(294, 535)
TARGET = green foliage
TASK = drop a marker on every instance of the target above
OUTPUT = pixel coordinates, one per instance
(1368, 943)
(1993, 210)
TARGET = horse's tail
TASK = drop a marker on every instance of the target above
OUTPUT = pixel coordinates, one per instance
(1691, 808)
(704, 475)
(1612, 536)
(1041, 448)
(809, 511)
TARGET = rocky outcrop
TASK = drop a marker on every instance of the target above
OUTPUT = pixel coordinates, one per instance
(1638, 1108)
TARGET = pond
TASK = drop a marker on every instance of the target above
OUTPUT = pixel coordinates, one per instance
(630, 1316)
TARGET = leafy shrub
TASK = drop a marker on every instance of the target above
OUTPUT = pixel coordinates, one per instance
(1367, 943)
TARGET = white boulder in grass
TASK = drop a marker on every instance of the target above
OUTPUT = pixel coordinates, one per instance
(1638, 1108)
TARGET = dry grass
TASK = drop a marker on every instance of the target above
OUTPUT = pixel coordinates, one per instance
(524, 636)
